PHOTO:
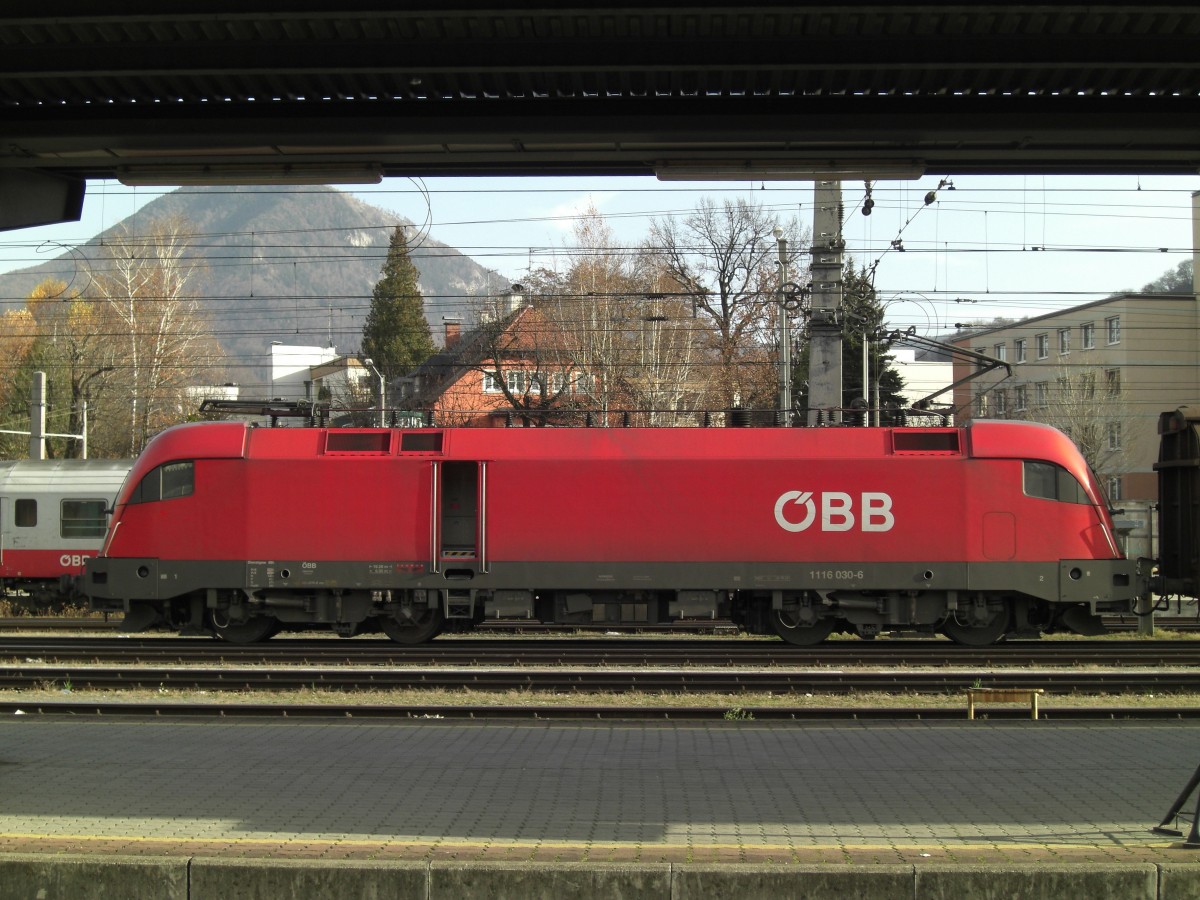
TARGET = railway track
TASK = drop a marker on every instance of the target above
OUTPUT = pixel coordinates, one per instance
(716, 627)
(591, 652)
(592, 680)
(336, 669)
(741, 716)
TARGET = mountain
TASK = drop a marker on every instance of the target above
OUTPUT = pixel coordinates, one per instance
(291, 265)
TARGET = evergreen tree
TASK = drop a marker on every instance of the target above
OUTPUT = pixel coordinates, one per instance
(396, 334)
(864, 313)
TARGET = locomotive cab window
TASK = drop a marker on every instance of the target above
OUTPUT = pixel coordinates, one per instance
(166, 482)
(83, 519)
(25, 513)
(1051, 482)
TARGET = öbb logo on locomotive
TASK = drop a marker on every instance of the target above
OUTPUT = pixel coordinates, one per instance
(837, 511)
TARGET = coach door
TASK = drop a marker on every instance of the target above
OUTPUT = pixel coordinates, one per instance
(459, 518)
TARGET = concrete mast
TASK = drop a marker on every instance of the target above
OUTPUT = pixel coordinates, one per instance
(825, 344)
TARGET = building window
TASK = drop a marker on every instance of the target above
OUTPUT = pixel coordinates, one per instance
(1112, 382)
(1064, 341)
(1020, 348)
(515, 380)
(1043, 346)
(1019, 396)
(1001, 352)
(1042, 393)
(1087, 335)
(491, 383)
(981, 406)
(1001, 403)
(1114, 488)
(1114, 435)
(1112, 328)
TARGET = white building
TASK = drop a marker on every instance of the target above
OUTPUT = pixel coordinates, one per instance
(291, 370)
(922, 377)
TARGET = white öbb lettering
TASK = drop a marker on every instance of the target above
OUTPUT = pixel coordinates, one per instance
(69, 560)
(837, 511)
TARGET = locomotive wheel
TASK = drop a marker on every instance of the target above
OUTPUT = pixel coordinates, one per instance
(258, 628)
(977, 635)
(802, 634)
(413, 631)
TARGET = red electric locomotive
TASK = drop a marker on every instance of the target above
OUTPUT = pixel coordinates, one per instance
(52, 518)
(976, 532)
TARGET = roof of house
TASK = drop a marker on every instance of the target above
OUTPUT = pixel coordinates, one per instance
(433, 377)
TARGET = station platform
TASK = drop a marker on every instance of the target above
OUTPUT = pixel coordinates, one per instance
(1063, 808)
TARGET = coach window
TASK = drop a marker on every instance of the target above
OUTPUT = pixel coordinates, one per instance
(25, 514)
(83, 519)
(170, 480)
(1051, 482)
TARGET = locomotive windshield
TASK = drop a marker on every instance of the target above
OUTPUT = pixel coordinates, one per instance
(1052, 482)
(170, 480)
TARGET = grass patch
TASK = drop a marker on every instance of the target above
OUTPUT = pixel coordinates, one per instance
(738, 706)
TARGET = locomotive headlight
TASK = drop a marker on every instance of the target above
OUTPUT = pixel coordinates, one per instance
(1076, 573)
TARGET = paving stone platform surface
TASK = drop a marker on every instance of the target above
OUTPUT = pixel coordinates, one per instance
(877, 792)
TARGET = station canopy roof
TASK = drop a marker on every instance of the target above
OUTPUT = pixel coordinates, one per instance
(212, 91)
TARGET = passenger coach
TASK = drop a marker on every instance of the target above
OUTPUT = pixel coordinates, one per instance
(52, 518)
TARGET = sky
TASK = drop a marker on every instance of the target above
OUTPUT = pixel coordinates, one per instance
(985, 246)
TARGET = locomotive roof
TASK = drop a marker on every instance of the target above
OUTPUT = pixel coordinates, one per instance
(238, 439)
(91, 475)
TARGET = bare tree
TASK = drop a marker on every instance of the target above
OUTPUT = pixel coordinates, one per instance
(724, 258)
(1085, 404)
(590, 306)
(145, 286)
(631, 339)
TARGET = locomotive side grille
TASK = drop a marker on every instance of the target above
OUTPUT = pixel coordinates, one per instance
(358, 442)
(927, 441)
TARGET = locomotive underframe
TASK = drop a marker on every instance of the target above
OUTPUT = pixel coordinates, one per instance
(799, 601)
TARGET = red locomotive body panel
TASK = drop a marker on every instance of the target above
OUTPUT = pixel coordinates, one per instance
(790, 516)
